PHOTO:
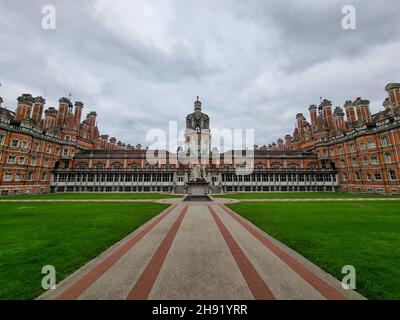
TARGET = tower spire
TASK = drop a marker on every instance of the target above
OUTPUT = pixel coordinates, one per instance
(197, 105)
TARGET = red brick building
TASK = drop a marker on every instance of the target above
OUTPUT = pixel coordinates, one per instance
(363, 147)
(342, 149)
(34, 141)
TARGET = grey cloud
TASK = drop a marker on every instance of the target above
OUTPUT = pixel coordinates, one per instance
(255, 64)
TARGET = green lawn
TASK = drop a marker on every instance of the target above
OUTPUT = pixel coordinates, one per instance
(90, 196)
(297, 195)
(363, 234)
(65, 235)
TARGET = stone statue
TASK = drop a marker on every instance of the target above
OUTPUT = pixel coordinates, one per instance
(198, 173)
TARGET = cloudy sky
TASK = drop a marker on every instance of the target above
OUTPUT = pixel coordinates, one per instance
(255, 64)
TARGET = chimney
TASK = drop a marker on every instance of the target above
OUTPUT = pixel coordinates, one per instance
(78, 113)
(338, 119)
(300, 124)
(38, 109)
(288, 142)
(50, 119)
(92, 116)
(24, 107)
(64, 104)
(350, 112)
(280, 144)
(113, 143)
(386, 104)
(327, 112)
(393, 90)
(363, 112)
(313, 116)
(104, 142)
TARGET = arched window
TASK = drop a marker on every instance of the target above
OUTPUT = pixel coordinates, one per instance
(82, 167)
(312, 166)
(260, 167)
(116, 166)
(276, 167)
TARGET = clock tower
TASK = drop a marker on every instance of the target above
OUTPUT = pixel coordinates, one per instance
(197, 134)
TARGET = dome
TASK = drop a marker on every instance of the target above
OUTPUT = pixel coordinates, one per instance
(197, 119)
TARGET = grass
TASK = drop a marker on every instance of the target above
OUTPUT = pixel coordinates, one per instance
(297, 195)
(332, 235)
(94, 196)
(65, 236)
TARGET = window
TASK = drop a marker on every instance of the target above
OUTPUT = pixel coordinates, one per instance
(365, 161)
(46, 162)
(11, 159)
(362, 146)
(378, 176)
(18, 176)
(44, 176)
(48, 149)
(276, 167)
(36, 147)
(65, 152)
(388, 157)
(30, 176)
(374, 159)
(384, 141)
(340, 149)
(354, 161)
(14, 143)
(352, 148)
(21, 160)
(324, 153)
(344, 177)
(2, 138)
(371, 144)
(342, 163)
(358, 176)
(82, 167)
(8, 176)
(392, 175)
(312, 166)
(134, 167)
(33, 161)
(25, 144)
(99, 166)
(368, 176)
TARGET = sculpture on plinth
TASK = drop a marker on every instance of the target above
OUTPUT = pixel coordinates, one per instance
(198, 173)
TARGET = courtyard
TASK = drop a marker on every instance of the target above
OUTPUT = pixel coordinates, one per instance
(68, 235)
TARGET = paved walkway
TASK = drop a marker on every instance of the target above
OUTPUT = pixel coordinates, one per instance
(216, 200)
(199, 251)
